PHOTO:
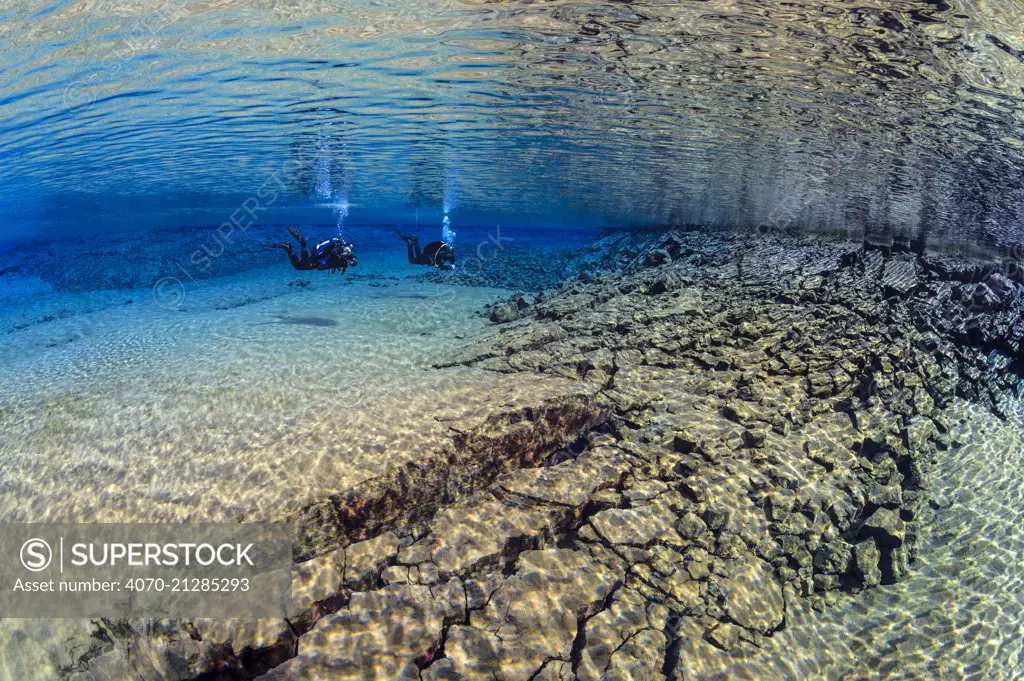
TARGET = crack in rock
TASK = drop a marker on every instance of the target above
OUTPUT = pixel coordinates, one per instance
(762, 420)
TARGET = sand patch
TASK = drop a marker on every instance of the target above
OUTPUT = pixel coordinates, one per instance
(243, 413)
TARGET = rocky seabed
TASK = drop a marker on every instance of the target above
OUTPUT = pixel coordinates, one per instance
(749, 421)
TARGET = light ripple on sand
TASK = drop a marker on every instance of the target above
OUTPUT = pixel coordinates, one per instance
(246, 412)
(221, 411)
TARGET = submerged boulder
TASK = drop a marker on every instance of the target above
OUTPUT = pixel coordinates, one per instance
(504, 312)
(885, 527)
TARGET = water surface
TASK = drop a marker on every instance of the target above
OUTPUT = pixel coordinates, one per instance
(873, 116)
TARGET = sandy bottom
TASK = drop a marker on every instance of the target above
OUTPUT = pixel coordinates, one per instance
(236, 398)
(239, 398)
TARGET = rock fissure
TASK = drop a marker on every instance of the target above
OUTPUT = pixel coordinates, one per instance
(761, 440)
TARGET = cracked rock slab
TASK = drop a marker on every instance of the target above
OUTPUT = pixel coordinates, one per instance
(464, 536)
(626, 639)
(380, 635)
(571, 483)
(639, 526)
(534, 614)
(753, 598)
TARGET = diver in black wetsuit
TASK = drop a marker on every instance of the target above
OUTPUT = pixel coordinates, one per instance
(333, 255)
(437, 253)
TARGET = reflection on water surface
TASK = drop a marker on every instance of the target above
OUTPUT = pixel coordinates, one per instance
(880, 116)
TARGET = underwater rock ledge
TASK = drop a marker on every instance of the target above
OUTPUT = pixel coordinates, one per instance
(406, 496)
(766, 415)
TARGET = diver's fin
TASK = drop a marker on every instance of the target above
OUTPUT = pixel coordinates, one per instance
(299, 236)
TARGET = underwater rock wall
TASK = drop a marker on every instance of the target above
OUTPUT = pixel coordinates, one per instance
(766, 415)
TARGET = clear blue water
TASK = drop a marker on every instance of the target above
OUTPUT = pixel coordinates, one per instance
(883, 117)
(149, 147)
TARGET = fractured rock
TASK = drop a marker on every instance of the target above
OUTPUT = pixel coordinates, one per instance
(867, 557)
(627, 636)
(366, 558)
(638, 526)
(690, 526)
(570, 483)
(885, 527)
(899, 277)
(381, 634)
(535, 612)
(753, 598)
(833, 558)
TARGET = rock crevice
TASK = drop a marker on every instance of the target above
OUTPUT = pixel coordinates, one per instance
(751, 422)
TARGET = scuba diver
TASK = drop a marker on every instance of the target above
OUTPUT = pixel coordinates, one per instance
(332, 255)
(437, 253)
